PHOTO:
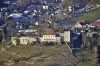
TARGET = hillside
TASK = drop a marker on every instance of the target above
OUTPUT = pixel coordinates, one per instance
(89, 16)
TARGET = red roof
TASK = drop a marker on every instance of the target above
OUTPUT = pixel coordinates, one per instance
(95, 24)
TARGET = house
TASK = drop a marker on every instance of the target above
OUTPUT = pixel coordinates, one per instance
(48, 35)
(78, 24)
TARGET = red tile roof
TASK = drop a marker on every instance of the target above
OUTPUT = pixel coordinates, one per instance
(95, 24)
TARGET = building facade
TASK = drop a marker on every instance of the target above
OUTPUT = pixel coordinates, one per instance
(67, 36)
(23, 40)
(27, 40)
(48, 35)
(48, 38)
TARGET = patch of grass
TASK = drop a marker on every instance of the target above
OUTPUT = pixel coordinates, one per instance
(34, 51)
(89, 16)
(34, 54)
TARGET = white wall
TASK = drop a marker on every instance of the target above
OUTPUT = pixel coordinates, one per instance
(45, 7)
(14, 40)
(48, 38)
(67, 36)
(58, 39)
(27, 40)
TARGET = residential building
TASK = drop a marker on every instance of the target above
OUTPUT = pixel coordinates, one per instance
(78, 24)
(48, 35)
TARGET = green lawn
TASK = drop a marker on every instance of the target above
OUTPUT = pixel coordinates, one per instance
(89, 16)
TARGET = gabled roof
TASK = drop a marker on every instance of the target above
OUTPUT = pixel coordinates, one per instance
(48, 31)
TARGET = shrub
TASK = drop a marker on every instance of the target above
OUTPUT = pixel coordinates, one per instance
(44, 43)
(2, 62)
(33, 43)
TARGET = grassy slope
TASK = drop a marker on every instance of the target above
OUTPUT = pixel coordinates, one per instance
(89, 16)
(30, 51)
(33, 51)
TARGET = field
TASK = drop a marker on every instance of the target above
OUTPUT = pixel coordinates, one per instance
(46, 56)
(89, 16)
(35, 56)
